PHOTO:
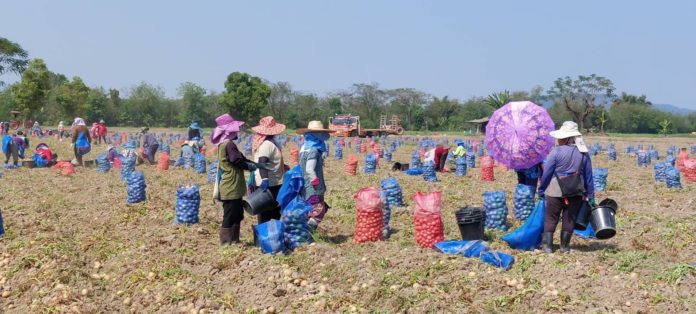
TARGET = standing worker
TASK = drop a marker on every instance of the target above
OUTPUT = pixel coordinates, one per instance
(267, 151)
(194, 131)
(229, 183)
(149, 145)
(61, 130)
(81, 139)
(567, 180)
(101, 131)
(312, 164)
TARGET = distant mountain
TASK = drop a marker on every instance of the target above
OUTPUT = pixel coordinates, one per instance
(673, 109)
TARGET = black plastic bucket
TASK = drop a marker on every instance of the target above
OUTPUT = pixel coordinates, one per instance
(583, 216)
(259, 202)
(470, 221)
(603, 219)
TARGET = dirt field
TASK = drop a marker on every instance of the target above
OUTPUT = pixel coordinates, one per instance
(72, 245)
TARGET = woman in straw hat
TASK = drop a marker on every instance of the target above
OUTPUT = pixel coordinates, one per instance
(312, 164)
(229, 183)
(268, 151)
(567, 180)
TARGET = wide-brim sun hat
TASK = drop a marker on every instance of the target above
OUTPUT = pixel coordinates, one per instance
(269, 126)
(227, 123)
(314, 126)
(568, 129)
(144, 130)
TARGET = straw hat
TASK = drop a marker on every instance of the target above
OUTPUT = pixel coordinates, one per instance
(314, 126)
(268, 126)
(568, 129)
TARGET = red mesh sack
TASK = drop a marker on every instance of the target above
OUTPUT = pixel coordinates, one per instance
(369, 221)
(117, 163)
(294, 155)
(680, 160)
(690, 170)
(428, 219)
(350, 167)
(163, 162)
(487, 170)
(363, 148)
(66, 168)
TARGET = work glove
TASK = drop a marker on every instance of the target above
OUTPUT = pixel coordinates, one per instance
(313, 200)
(315, 182)
(252, 166)
(264, 184)
(264, 165)
(592, 202)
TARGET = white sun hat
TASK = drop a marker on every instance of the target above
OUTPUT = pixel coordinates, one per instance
(570, 129)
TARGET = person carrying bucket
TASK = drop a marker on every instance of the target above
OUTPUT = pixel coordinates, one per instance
(312, 164)
(566, 182)
(230, 185)
(267, 150)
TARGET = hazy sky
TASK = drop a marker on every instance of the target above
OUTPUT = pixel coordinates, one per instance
(455, 48)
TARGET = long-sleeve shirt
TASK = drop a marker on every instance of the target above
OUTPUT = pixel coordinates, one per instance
(563, 161)
(81, 129)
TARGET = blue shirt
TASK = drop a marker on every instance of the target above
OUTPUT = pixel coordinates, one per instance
(563, 161)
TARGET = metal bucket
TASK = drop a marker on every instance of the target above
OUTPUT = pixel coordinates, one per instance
(259, 202)
(583, 216)
(603, 219)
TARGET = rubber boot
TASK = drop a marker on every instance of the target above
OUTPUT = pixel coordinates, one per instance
(565, 241)
(547, 242)
(225, 236)
(234, 233)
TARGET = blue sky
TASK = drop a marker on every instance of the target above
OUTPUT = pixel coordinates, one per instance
(455, 48)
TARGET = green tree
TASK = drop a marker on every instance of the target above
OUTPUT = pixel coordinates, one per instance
(281, 101)
(578, 96)
(72, 97)
(441, 113)
(145, 106)
(497, 100)
(245, 96)
(97, 104)
(602, 119)
(13, 58)
(193, 99)
(407, 103)
(664, 126)
(31, 92)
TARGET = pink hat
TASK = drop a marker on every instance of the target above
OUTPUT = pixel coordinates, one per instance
(268, 126)
(226, 126)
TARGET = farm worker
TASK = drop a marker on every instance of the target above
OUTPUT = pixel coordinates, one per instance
(312, 164)
(112, 153)
(13, 146)
(440, 157)
(101, 131)
(61, 130)
(81, 139)
(188, 150)
(460, 152)
(566, 181)
(267, 150)
(428, 156)
(683, 155)
(94, 132)
(150, 145)
(194, 131)
(36, 129)
(529, 176)
(229, 183)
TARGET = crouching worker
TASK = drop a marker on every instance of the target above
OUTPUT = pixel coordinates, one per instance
(312, 164)
(230, 185)
(567, 180)
(44, 157)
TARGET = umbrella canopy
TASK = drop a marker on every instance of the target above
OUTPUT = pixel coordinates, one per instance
(517, 134)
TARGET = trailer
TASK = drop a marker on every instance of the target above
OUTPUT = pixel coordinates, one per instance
(347, 125)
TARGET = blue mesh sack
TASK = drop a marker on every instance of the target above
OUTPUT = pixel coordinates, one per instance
(294, 217)
(388, 155)
(670, 160)
(386, 214)
(2, 226)
(199, 163)
(659, 168)
(393, 191)
(165, 148)
(212, 171)
(370, 164)
(523, 201)
(188, 202)
(496, 210)
(415, 160)
(338, 154)
(460, 166)
(643, 159)
(600, 179)
(498, 259)
(136, 188)
(672, 178)
(103, 164)
(480, 152)
(654, 155)
(612, 154)
(471, 160)
(127, 167)
(270, 236)
(693, 149)
(429, 172)
(528, 235)
(472, 248)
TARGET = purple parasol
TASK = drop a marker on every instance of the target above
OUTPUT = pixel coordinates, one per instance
(517, 135)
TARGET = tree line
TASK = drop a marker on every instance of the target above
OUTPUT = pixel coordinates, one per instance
(49, 97)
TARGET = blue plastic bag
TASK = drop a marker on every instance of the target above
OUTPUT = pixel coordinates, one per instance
(188, 202)
(498, 259)
(472, 248)
(294, 217)
(82, 144)
(588, 233)
(528, 235)
(270, 236)
(293, 182)
(39, 161)
(414, 171)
